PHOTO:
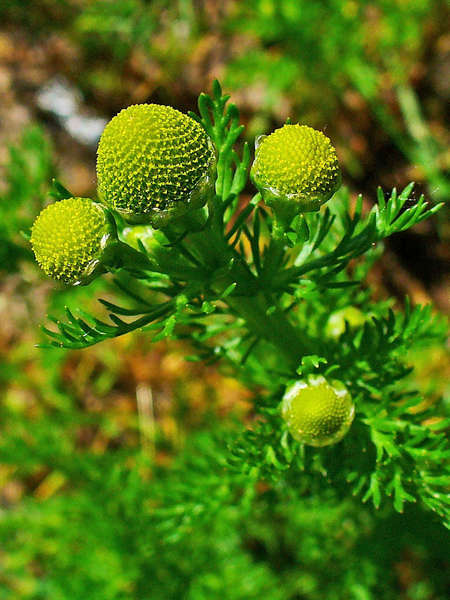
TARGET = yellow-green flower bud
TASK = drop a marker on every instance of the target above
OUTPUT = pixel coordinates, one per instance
(317, 412)
(154, 163)
(296, 168)
(335, 326)
(69, 237)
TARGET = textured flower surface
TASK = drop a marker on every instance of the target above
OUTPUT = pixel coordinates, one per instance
(317, 412)
(298, 164)
(152, 161)
(68, 238)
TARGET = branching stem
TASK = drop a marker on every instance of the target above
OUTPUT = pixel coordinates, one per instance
(248, 301)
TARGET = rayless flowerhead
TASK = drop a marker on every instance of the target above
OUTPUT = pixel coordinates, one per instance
(154, 163)
(317, 412)
(68, 239)
(296, 166)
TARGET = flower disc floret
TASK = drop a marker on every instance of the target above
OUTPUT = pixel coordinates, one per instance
(154, 162)
(298, 165)
(317, 412)
(68, 238)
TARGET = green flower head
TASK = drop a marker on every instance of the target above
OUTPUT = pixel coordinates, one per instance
(154, 163)
(68, 239)
(296, 166)
(317, 412)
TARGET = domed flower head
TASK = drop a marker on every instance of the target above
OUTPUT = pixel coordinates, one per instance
(317, 412)
(296, 167)
(154, 163)
(68, 239)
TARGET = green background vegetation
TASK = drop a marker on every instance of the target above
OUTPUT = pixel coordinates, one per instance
(85, 435)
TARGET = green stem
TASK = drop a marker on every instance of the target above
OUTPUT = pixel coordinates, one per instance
(283, 213)
(274, 328)
(273, 259)
(248, 299)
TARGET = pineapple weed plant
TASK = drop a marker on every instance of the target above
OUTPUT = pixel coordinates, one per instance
(273, 290)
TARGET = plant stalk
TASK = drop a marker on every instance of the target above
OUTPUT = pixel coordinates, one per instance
(248, 300)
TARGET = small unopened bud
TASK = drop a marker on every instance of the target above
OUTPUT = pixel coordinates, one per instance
(336, 323)
(317, 412)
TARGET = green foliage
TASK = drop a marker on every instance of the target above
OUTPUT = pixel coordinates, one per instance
(265, 312)
(319, 57)
(117, 25)
(122, 529)
(27, 175)
(301, 49)
(350, 51)
(117, 29)
(240, 512)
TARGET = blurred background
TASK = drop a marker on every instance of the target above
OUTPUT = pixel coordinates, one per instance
(373, 75)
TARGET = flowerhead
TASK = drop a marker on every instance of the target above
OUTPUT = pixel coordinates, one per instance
(298, 166)
(317, 412)
(154, 163)
(69, 237)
